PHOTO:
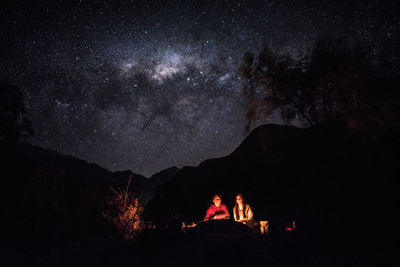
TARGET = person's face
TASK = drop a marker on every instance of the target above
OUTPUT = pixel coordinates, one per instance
(239, 200)
(217, 201)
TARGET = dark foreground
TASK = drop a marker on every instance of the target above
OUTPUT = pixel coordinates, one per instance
(203, 247)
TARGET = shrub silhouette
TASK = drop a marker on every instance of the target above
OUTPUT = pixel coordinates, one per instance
(341, 78)
(14, 124)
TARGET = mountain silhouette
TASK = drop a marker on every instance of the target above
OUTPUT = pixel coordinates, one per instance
(338, 185)
(318, 177)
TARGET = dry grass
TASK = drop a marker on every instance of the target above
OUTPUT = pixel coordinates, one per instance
(125, 211)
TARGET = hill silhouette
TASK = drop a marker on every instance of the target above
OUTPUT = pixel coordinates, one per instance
(327, 178)
(54, 204)
(337, 184)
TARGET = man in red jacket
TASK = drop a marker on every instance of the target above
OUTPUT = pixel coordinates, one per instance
(217, 211)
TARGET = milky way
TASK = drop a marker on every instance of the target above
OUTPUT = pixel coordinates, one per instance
(146, 86)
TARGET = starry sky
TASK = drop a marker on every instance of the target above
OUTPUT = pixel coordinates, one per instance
(146, 85)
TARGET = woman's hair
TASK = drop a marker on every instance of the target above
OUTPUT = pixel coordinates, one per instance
(236, 208)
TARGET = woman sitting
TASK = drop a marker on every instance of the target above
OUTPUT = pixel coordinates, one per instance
(242, 211)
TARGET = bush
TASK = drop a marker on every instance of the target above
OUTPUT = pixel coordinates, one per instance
(125, 210)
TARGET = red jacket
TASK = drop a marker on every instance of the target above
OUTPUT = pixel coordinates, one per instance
(220, 212)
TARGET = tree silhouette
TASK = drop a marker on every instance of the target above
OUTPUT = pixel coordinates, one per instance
(341, 78)
(14, 124)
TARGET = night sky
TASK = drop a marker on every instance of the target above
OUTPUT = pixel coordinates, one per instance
(144, 85)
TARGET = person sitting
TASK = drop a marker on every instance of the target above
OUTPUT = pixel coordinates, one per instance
(242, 211)
(217, 210)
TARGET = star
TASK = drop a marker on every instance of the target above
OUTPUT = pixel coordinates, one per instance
(143, 86)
